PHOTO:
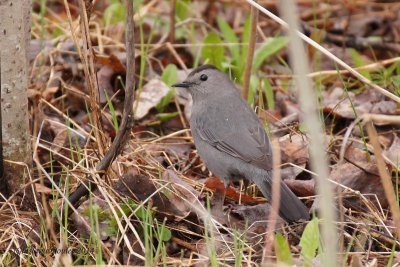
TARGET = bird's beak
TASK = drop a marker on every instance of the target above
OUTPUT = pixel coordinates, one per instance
(182, 84)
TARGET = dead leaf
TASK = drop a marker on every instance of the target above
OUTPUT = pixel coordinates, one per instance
(113, 61)
(181, 190)
(294, 149)
(141, 188)
(49, 92)
(219, 245)
(43, 189)
(393, 152)
(291, 172)
(177, 151)
(355, 25)
(128, 258)
(349, 105)
(302, 188)
(104, 76)
(337, 102)
(257, 217)
(215, 184)
(360, 174)
(150, 96)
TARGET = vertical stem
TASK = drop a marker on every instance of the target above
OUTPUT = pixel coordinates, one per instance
(385, 176)
(172, 22)
(171, 36)
(276, 196)
(127, 114)
(250, 53)
(87, 58)
(309, 105)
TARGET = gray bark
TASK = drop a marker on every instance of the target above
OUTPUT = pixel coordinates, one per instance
(14, 40)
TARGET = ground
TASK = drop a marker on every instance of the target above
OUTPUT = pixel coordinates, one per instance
(157, 204)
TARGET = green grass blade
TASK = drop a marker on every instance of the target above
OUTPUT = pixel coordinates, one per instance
(309, 241)
(269, 94)
(282, 249)
(230, 37)
(267, 49)
(213, 52)
(169, 77)
(359, 62)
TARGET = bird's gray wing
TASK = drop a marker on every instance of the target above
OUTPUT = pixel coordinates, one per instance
(239, 134)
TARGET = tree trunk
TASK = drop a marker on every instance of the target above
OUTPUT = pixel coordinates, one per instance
(16, 142)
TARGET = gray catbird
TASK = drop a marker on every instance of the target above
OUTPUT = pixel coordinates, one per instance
(231, 139)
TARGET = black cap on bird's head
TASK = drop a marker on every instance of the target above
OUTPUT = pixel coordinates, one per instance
(202, 78)
(205, 79)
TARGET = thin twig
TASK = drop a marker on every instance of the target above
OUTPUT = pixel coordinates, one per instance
(127, 117)
(378, 119)
(250, 52)
(172, 22)
(276, 198)
(90, 76)
(385, 177)
(176, 56)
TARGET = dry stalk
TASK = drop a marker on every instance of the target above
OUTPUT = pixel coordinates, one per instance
(318, 157)
(87, 58)
(250, 52)
(127, 117)
(276, 198)
(385, 176)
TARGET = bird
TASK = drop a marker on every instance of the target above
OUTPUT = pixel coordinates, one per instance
(230, 138)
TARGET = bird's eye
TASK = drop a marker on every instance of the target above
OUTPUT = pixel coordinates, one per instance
(203, 77)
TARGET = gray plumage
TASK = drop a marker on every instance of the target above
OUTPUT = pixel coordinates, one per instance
(230, 138)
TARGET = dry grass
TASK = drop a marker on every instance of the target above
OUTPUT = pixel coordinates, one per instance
(197, 237)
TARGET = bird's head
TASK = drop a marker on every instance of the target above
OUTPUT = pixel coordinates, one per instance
(204, 81)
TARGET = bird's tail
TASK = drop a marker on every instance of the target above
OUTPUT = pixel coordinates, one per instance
(291, 208)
